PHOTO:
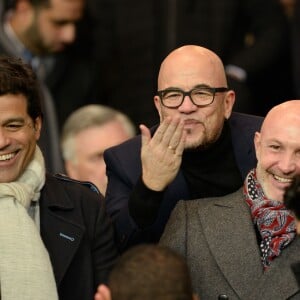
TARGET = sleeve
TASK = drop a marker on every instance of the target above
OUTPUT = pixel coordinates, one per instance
(144, 204)
(131, 206)
(103, 247)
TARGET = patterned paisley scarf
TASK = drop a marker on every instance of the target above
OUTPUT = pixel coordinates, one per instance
(275, 224)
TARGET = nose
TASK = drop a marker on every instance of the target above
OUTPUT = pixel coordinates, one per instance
(288, 163)
(68, 33)
(187, 106)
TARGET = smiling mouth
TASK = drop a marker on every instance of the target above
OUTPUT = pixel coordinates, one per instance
(282, 179)
(5, 157)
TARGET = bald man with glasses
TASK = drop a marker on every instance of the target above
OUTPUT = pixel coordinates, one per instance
(199, 149)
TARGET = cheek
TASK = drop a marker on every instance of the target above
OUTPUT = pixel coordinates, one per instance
(267, 159)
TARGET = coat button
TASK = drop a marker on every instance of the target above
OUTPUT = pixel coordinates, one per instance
(223, 297)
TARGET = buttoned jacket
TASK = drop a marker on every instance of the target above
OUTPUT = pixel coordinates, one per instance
(78, 236)
(218, 240)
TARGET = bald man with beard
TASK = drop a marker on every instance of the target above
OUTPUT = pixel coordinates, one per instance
(199, 149)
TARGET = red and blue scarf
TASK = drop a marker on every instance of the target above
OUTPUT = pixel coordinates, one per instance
(274, 222)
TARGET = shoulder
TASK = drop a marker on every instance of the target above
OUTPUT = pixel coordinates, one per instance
(191, 206)
(240, 119)
(61, 190)
(73, 183)
(131, 146)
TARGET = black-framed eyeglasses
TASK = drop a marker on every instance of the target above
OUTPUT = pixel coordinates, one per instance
(200, 96)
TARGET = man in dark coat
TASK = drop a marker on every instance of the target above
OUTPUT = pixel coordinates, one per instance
(56, 239)
(199, 148)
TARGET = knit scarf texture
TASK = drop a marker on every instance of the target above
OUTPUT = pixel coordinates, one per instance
(25, 268)
(274, 222)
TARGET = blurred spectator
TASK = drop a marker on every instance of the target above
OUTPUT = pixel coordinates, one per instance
(250, 36)
(40, 31)
(148, 272)
(86, 134)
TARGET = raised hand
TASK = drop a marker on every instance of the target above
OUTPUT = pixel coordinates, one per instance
(161, 155)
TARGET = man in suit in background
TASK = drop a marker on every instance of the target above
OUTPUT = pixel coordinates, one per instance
(54, 232)
(199, 149)
(87, 132)
(41, 32)
(242, 245)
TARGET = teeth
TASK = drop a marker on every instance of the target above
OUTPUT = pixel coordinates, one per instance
(6, 156)
(281, 179)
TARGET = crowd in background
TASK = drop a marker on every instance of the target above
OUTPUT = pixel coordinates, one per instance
(107, 70)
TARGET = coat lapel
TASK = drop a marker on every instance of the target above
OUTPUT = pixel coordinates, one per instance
(233, 243)
(60, 231)
(232, 249)
(280, 273)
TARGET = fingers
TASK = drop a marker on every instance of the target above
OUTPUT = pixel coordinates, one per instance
(180, 147)
(177, 139)
(169, 133)
(146, 134)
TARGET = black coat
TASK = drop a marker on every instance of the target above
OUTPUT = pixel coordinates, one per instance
(123, 166)
(78, 236)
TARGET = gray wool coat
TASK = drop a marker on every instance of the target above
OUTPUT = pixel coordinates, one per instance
(218, 240)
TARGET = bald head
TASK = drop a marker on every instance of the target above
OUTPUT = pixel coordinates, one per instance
(278, 149)
(283, 116)
(188, 69)
(192, 61)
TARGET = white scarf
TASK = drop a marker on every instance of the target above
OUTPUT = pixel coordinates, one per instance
(25, 268)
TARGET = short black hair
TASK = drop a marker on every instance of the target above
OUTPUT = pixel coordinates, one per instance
(292, 197)
(17, 77)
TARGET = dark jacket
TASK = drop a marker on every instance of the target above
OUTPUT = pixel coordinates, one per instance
(78, 236)
(123, 165)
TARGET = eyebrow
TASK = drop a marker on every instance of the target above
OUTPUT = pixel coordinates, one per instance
(11, 120)
(197, 86)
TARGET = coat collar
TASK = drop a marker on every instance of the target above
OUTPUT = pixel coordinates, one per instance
(234, 250)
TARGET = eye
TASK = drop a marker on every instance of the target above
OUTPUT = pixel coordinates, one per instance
(274, 147)
(172, 94)
(202, 92)
(14, 126)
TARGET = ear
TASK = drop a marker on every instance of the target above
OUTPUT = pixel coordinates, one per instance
(103, 293)
(23, 15)
(37, 126)
(257, 143)
(158, 106)
(71, 169)
(22, 6)
(228, 103)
